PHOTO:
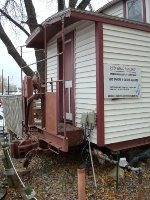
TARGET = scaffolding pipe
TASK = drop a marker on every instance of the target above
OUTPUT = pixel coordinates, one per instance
(63, 50)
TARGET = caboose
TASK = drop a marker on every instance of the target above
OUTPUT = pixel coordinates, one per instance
(97, 64)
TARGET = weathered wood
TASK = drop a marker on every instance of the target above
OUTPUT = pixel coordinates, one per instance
(12, 179)
(3, 193)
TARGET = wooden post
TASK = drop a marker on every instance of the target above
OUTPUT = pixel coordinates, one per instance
(9, 171)
(81, 184)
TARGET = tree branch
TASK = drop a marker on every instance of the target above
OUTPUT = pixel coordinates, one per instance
(13, 52)
(61, 4)
(32, 21)
(40, 55)
(16, 23)
(72, 3)
(83, 4)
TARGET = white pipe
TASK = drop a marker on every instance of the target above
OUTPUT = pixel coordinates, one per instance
(17, 172)
(15, 169)
(92, 163)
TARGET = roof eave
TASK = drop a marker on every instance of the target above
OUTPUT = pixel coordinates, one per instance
(36, 40)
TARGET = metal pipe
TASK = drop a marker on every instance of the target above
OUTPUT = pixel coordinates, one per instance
(63, 50)
(81, 184)
(42, 60)
(92, 163)
(21, 84)
(2, 83)
(23, 185)
(54, 81)
(117, 171)
(45, 49)
(8, 86)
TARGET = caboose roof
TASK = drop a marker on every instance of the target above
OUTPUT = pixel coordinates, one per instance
(53, 24)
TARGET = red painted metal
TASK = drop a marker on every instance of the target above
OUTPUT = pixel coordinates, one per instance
(144, 11)
(124, 9)
(45, 49)
(43, 111)
(99, 83)
(27, 92)
(128, 144)
(69, 73)
(51, 124)
(63, 66)
(111, 20)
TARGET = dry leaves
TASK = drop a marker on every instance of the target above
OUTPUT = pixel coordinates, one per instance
(54, 177)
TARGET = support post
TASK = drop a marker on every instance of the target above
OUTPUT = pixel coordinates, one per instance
(117, 171)
(8, 86)
(81, 184)
(63, 50)
(11, 176)
(2, 83)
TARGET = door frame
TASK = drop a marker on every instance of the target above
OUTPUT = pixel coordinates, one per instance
(68, 36)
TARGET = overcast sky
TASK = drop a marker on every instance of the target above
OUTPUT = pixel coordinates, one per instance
(9, 66)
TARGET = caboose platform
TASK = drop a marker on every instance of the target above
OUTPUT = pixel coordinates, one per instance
(74, 137)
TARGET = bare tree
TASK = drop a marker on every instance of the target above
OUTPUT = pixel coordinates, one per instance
(73, 4)
(16, 11)
(32, 24)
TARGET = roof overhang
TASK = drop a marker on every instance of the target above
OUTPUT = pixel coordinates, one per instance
(53, 24)
(108, 5)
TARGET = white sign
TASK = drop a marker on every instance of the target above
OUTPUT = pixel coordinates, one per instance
(122, 81)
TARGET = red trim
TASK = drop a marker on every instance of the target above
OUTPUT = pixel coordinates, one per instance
(72, 16)
(144, 11)
(124, 9)
(67, 37)
(111, 20)
(99, 83)
(128, 144)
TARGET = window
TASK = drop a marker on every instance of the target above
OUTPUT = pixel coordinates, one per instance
(135, 10)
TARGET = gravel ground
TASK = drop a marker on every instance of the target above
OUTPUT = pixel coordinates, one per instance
(54, 177)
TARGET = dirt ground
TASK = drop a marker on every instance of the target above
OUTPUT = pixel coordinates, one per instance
(54, 177)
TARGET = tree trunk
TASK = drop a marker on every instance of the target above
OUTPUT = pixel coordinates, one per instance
(13, 52)
(72, 3)
(32, 23)
(61, 4)
(83, 4)
(16, 23)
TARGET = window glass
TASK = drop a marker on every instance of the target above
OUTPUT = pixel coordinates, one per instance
(135, 10)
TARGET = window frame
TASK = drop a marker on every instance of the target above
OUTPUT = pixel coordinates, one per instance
(125, 10)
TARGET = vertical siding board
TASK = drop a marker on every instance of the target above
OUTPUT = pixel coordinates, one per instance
(99, 84)
(127, 119)
(85, 72)
(51, 63)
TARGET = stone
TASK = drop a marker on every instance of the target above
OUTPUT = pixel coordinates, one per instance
(112, 173)
(2, 193)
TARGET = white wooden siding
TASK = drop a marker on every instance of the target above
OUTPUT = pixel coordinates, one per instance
(116, 10)
(127, 119)
(84, 67)
(52, 64)
(85, 72)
